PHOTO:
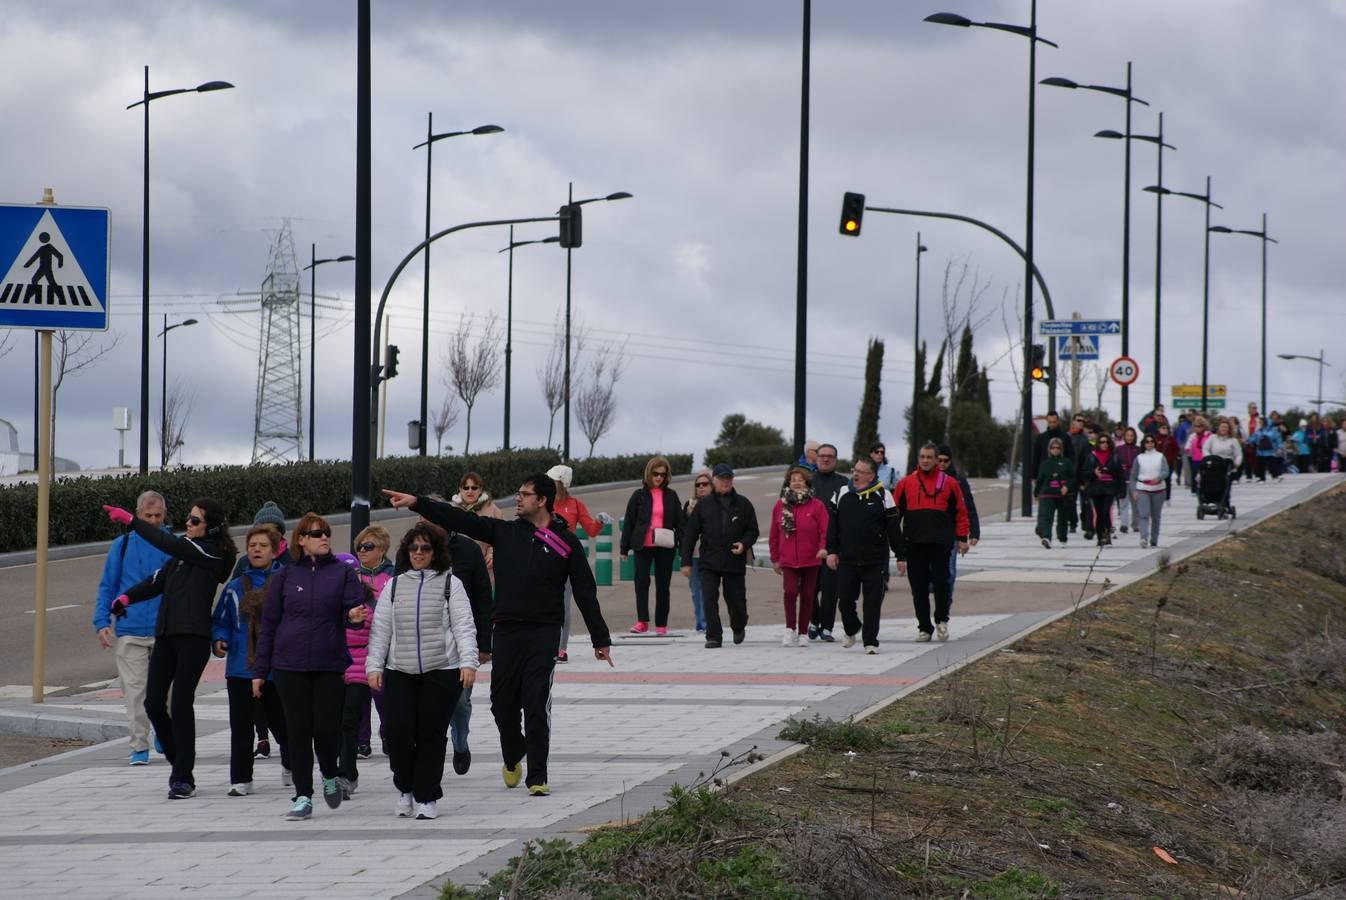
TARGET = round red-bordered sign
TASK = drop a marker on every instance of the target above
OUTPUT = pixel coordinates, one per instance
(1124, 370)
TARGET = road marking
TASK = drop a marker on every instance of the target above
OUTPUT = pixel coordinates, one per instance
(33, 612)
(22, 691)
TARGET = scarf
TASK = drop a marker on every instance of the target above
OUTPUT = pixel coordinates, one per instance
(482, 499)
(1102, 456)
(791, 499)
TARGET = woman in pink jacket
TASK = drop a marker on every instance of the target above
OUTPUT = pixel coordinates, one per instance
(798, 543)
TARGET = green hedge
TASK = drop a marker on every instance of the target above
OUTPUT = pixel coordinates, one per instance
(298, 487)
(746, 457)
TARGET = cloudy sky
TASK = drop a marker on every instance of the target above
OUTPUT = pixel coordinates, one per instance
(694, 109)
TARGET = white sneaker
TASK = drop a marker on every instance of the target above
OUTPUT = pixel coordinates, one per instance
(286, 777)
(941, 631)
(404, 805)
(848, 641)
(427, 810)
(1144, 543)
(922, 637)
(240, 790)
(790, 638)
(871, 650)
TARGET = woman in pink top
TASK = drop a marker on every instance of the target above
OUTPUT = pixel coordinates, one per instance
(798, 543)
(651, 528)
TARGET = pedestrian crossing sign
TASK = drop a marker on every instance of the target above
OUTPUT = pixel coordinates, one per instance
(55, 264)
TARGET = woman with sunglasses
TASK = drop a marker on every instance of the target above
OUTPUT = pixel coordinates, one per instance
(1103, 484)
(700, 489)
(423, 653)
(371, 550)
(1149, 478)
(651, 529)
(200, 562)
(473, 497)
(302, 645)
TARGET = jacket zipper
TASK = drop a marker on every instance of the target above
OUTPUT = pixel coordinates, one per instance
(420, 665)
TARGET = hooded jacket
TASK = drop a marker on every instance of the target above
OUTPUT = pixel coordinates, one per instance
(186, 584)
(931, 507)
(231, 625)
(718, 521)
(130, 560)
(423, 622)
(304, 617)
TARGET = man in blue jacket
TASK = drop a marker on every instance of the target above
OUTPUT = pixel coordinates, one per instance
(132, 559)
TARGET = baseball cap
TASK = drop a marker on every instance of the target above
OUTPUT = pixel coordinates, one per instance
(722, 470)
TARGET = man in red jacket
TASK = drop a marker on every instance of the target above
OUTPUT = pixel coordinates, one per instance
(933, 516)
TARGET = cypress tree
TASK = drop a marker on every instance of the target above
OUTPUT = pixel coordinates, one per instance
(867, 426)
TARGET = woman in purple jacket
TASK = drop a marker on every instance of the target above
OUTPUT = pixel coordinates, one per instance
(302, 645)
(1126, 454)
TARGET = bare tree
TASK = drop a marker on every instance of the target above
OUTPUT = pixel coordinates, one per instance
(177, 413)
(961, 304)
(5, 346)
(73, 351)
(1100, 384)
(473, 368)
(445, 419)
(596, 402)
(551, 375)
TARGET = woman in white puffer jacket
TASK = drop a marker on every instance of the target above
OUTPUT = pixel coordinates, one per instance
(422, 652)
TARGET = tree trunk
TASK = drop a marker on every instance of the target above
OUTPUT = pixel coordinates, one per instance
(467, 439)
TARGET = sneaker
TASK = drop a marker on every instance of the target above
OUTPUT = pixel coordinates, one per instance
(739, 636)
(181, 790)
(462, 761)
(364, 751)
(331, 792)
(302, 809)
(286, 777)
(661, 630)
(263, 750)
(813, 632)
(922, 637)
(640, 628)
(942, 630)
(348, 786)
(826, 636)
(140, 757)
(242, 789)
(1088, 535)
(562, 656)
(427, 810)
(701, 628)
(1046, 544)
(158, 747)
(790, 638)
(848, 641)
(1144, 544)
(712, 645)
(403, 807)
(539, 790)
(512, 774)
(871, 650)
(1124, 529)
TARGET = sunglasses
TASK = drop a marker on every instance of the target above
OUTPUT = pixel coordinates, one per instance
(421, 548)
(317, 533)
(470, 487)
(366, 546)
(703, 484)
(943, 459)
(659, 474)
(194, 520)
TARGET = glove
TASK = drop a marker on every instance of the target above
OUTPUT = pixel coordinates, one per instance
(603, 519)
(119, 606)
(117, 514)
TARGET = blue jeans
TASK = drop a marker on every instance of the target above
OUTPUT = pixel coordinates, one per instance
(695, 584)
(459, 724)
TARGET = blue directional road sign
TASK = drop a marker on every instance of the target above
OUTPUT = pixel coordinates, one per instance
(1077, 347)
(55, 264)
(1053, 327)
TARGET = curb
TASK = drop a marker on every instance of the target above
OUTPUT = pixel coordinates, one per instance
(23, 723)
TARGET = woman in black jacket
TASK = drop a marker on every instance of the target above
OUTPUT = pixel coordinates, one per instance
(200, 562)
(1104, 482)
(651, 530)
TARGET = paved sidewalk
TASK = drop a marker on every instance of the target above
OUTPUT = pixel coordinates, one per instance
(84, 824)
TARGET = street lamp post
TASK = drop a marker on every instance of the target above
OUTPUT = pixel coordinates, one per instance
(565, 387)
(146, 98)
(1030, 32)
(1205, 276)
(1160, 147)
(164, 449)
(1220, 229)
(312, 269)
(509, 319)
(916, 388)
(1127, 95)
(1318, 401)
(428, 144)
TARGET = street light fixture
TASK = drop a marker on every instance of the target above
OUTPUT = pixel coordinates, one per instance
(164, 449)
(509, 318)
(428, 144)
(312, 268)
(1031, 32)
(1130, 98)
(1205, 277)
(1321, 362)
(146, 98)
(1220, 229)
(565, 388)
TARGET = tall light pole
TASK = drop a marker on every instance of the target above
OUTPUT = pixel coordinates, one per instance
(164, 449)
(917, 387)
(361, 372)
(146, 98)
(565, 387)
(802, 244)
(509, 319)
(428, 144)
(1318, 401)
(1220, 229)
(1160, 147)
(1130, 98)
(312, 269)
(1030, 32)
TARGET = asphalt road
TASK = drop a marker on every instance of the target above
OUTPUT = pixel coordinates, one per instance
(74, 658)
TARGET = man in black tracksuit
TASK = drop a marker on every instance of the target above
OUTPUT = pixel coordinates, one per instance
(535, 555)
(726, 524)
(826, 483)
(859, 533)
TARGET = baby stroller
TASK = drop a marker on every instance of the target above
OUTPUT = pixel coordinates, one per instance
(1213, 488)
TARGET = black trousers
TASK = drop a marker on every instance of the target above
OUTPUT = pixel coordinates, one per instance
(927, 569)
(735, 600)
(851, 581)
(1102, 513)
(312, 702)
(662, 558)
(825, 602)
(523, 661)
(355, 704)
(176, 662)
(417, 731)
(243, 711)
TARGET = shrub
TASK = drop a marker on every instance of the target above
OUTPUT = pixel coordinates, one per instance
(1249, 758)
(756, 455)
(830, 734)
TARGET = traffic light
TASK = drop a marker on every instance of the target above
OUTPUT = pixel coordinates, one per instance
(1039, 371)
(572, 225)
(852, 213)
(390, 368)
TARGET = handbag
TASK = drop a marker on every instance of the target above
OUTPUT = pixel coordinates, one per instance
(663, 538)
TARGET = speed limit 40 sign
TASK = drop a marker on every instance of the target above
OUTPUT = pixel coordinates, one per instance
(1124, 370)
